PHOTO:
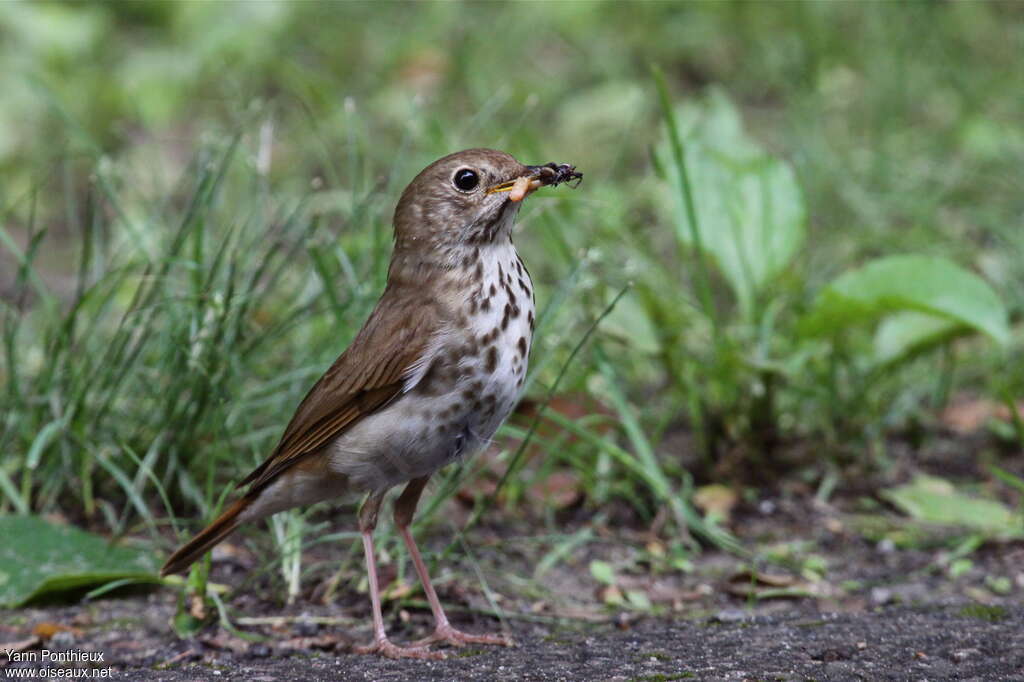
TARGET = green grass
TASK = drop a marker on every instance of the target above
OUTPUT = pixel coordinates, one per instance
(195, 220)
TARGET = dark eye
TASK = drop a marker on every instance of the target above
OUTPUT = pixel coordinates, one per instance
(466, 179)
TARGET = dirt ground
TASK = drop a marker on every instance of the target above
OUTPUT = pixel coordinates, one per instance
(881, 614)
(889, 643)
(830, 594)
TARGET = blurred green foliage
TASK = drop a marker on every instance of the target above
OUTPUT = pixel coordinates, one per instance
(196, 218)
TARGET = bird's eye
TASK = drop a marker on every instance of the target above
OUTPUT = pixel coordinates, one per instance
(465, 179)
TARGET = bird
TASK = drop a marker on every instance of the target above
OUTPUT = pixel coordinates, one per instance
(435, 369)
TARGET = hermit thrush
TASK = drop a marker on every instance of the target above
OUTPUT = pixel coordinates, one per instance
(434, 371)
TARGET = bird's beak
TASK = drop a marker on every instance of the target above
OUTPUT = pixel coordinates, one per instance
(521, 187)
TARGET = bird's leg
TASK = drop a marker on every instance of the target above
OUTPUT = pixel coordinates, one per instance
(381, 644)
(405, 507)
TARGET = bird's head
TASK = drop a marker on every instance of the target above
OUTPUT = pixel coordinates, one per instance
(469, 198)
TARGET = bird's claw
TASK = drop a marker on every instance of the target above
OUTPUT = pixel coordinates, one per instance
(457, 638)
(387, 649)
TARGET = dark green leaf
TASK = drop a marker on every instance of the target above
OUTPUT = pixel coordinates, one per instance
(43, 559)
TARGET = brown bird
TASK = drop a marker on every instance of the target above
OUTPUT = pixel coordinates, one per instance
(436, 368)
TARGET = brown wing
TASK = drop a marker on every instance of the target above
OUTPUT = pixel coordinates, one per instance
(369, 374)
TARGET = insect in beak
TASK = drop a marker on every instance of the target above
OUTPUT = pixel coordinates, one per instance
(550, 174)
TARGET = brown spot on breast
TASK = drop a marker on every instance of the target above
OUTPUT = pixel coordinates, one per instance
(529, 318)
(524, 287)
(492, 359)
(505, 316)
(478, 272)
(494, 289)
(430, 384)
(521, 345)
(453, 374)
(485, 305)
(490, 337)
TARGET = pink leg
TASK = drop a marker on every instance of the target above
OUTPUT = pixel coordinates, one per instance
(405, 507)
(381, 644)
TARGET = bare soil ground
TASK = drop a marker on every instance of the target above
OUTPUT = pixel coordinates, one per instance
(881, 614)
(825, 599)
(798, 643)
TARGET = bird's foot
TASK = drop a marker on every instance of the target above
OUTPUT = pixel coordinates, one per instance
(449, 635)
(384, 647)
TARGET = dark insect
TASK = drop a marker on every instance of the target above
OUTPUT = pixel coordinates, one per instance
(552, 174)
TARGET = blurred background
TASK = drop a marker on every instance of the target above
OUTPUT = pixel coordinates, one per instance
(793, 274)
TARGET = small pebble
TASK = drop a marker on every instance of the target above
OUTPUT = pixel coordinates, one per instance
(306, 628)
(259, 650)
(961, 655)
(731, 616)
(62, 641)
(881, 595)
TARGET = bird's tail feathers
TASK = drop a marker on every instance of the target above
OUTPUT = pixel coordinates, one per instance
(223, 526)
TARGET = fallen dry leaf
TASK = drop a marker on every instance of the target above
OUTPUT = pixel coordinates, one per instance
(966, 415)
(189, 654)
(396, 590)
(47, 630)
(610, 594)
(228, 551)
(716, 499)
(197, 607)
(750, 577)
(755, 584)
(223, 640)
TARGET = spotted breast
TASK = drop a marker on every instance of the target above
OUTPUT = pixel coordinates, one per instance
(469, 381)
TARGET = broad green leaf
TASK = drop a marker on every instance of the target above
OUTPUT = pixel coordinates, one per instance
(40, 559)
(639, 600)
(926, 284)
(602, 572)
(903, 334)
(716, 122)
(935, 500)
(749, 209)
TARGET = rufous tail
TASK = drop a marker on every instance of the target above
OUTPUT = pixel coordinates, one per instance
(223, 526)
